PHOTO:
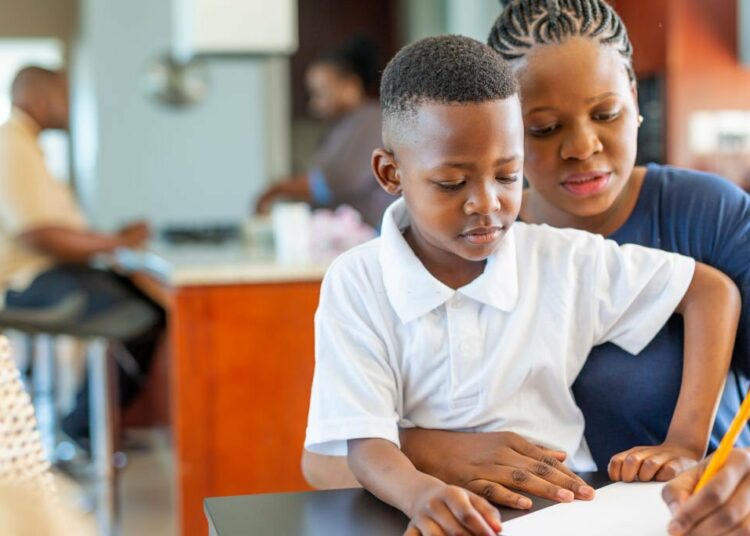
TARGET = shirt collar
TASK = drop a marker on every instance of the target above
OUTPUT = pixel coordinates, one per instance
(413, 291)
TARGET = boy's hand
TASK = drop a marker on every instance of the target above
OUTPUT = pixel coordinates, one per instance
(495, 465)
(444, 509)
(643, 464)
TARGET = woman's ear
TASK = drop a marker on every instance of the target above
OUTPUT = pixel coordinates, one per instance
(385, 168)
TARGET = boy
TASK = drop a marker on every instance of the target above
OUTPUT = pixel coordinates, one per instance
(458, 318)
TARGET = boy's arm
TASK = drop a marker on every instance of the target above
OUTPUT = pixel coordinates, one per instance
(433, 506)
(710, 310)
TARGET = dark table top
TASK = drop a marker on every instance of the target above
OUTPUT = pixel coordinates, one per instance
(323, 513)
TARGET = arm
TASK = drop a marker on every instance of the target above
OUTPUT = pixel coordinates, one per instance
(430, 504)
(722, 507)
(491, 464)
(710, 309)
(295, 188)
(327, 472)
(72, 245)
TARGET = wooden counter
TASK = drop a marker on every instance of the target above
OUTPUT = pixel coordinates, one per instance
(241, 337)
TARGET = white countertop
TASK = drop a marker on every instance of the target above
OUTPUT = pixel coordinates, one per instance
(225, 264)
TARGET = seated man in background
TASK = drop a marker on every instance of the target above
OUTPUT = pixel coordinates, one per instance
(340, 173)
(45, 242)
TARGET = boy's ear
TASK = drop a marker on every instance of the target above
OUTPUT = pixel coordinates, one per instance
(385, 168)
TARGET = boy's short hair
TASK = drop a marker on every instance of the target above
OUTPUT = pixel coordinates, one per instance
(447, 69)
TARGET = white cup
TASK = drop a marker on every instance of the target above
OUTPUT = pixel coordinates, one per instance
(291, 232)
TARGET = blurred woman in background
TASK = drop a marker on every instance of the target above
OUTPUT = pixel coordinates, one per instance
(340, 174)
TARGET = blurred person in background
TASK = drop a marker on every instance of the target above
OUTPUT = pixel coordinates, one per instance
(46, 245)
(340, 174)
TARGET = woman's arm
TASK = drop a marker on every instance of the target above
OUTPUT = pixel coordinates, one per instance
(710, 310)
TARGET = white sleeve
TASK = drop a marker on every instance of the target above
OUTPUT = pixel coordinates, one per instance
(354, 391)
(637, 289)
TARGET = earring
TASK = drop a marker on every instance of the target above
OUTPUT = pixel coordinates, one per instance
(640, 119)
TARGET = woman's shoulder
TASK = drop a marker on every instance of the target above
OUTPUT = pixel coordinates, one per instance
(684, 184)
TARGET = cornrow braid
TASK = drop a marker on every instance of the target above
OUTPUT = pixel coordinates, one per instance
(524, 24)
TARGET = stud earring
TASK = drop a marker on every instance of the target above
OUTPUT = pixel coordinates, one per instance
(640, 119)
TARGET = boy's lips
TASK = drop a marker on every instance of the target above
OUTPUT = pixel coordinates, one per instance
(588, 183)
(482, 235)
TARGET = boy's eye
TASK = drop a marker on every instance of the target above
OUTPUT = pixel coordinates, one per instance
(450, 186)
(509, 179)
(607, 116)
(544, 130)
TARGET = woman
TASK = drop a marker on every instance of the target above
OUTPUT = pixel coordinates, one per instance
(573, 59)
(340, 173)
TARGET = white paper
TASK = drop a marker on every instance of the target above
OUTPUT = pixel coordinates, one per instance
(619, 509)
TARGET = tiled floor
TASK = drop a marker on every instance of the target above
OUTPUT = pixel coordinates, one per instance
(146, 491)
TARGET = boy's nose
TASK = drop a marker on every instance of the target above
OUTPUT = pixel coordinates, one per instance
(483, 202)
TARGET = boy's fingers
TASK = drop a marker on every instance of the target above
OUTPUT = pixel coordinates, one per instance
(679, 490)
(468, 520)
(487, 511)
(427, 527)
(498, 494)
(412, 530)
(447, 519)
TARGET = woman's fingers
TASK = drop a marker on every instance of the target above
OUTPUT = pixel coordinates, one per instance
(542, 462)
(731, 517)
(499, 494)
(689, 510)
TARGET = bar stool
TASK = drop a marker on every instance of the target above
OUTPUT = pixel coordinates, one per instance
(121, 322)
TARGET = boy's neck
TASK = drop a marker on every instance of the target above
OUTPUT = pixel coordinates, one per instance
(451, 270)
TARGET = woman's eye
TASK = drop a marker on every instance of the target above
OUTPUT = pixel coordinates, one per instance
(545, 130)
(607, 116)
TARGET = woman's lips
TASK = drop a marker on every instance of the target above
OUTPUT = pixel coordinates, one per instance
(482, 235)
(585, 184)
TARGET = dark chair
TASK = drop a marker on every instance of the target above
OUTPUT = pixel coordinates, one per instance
(118, 323)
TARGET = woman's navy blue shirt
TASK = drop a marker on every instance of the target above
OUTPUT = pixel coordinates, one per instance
(629, 400)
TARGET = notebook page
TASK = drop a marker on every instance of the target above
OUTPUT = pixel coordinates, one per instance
(619, 509)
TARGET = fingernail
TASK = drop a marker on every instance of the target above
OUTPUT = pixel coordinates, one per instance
(675, 527)
(565, 495)
(524, 503)
(586, 491)
(673, 507)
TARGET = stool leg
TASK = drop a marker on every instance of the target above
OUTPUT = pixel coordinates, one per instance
(101, 382)
(45, 399)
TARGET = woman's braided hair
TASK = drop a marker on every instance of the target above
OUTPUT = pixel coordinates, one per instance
(526, 23)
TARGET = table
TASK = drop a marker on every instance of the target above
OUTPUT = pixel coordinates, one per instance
(323, 513)
(241, 365)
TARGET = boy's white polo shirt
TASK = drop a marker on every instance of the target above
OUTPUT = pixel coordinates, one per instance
(395, 347)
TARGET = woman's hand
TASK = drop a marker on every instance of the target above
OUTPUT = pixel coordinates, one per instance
(722, 507)
(494, 465)
(660, 462)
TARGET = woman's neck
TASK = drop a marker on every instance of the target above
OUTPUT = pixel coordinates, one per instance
(536, 209)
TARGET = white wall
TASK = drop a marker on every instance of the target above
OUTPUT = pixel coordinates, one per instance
(136, 158)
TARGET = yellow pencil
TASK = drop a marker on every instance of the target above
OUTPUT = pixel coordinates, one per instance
(726, 445)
